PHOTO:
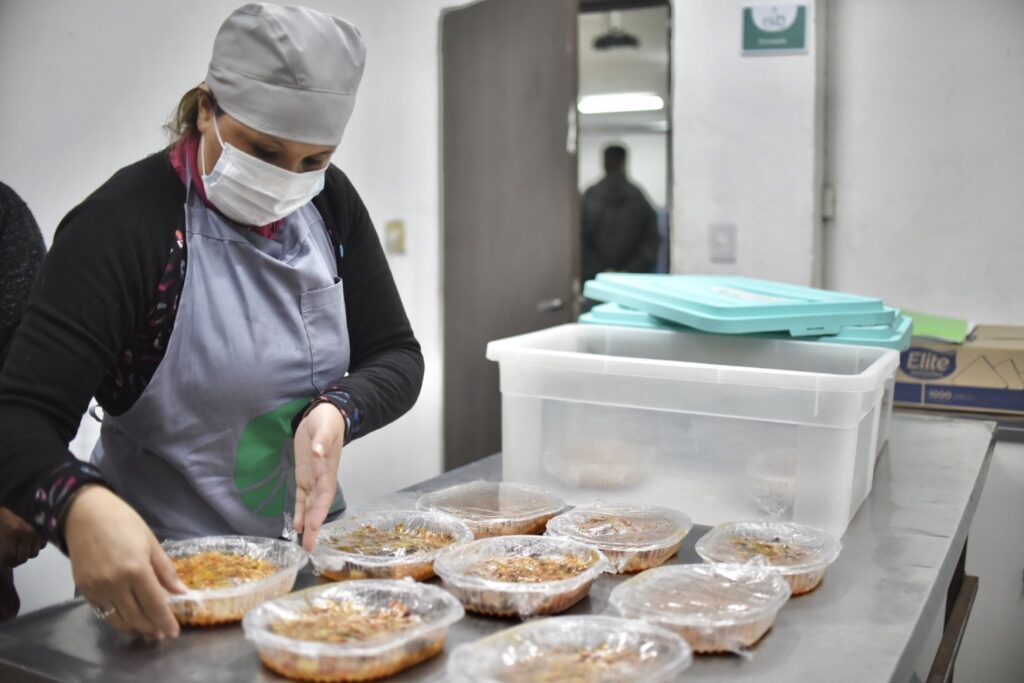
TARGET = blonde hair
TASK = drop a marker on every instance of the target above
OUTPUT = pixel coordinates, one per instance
(184, 120)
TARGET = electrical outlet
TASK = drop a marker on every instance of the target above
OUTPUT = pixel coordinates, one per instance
(394, 237)
(723, 238)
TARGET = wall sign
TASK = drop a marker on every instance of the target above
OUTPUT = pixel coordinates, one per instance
(774, 29)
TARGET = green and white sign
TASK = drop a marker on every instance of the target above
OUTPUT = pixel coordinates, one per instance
(774, 29)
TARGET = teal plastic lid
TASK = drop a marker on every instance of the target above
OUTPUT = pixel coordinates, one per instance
(896, 336)
(739, 305)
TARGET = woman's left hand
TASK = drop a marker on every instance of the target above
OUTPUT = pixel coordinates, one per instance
(318, 442)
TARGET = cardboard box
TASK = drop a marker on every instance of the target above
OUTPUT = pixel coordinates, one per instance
(984, 374)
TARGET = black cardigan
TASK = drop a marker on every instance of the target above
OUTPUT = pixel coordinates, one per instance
(95, 292)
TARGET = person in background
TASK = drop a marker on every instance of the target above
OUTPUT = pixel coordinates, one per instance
(620, 229)
(228, 303)
(21, 252)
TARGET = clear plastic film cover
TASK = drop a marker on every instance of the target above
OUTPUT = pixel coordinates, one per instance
(352, 631)
(520, 575)
(633, 537)
(389, 544)
(715, 607)
(573, 650)
(800, 553)
(495, 508)
(227, 575)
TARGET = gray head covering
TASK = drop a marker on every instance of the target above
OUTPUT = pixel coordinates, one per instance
(287, 71)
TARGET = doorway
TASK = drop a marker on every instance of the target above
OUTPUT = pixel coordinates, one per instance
(625, 99)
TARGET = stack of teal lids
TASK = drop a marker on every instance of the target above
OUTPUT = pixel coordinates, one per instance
(739, 305)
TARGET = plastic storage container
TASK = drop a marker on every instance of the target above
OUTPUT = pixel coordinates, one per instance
(800, 553)
(715, 607)
(896, 336)
(696, 418)
(520, 576)
(352, 631)
(204, 607)
(386, 545)
(495, 508)
(632, 537)
(573, 649)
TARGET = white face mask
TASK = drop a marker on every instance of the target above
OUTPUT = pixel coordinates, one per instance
(253, 192)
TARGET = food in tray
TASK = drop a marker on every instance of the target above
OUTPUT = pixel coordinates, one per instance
(715, 607)
(228, 575)
(532, 569)
(632, 537)
(391, 544)
(215, 569)
(352, 631)
(495, 508)
(333, 621)
(520, 575)
(396, 541)
(590, 649)
(800, 553)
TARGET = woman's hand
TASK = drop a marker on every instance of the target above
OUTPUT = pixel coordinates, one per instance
(318, 442)
(19, 542)
(118, 564)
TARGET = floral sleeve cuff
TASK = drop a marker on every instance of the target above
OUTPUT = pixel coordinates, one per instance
(54, 496)
(343, 401)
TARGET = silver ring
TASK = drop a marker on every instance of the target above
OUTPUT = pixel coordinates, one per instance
(103, 614)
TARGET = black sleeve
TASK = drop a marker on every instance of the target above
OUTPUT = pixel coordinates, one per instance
(93, 290)
(645, 256)
(21, 251)
(386, 366)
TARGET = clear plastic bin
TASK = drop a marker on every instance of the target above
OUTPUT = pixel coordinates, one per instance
(577, 649)
(694, 418)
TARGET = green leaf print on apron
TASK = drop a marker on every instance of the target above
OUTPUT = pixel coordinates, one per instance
(264, 472)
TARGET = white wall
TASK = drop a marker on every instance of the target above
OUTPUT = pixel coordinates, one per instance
(87, 86)
(747, 145)
(926, 154)
(647, 163)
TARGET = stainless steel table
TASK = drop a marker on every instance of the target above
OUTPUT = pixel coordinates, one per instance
(866, 622)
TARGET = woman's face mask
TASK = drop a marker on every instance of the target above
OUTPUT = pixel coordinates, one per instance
(254, 192)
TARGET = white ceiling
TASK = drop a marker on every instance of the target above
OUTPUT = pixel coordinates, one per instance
(624, 69)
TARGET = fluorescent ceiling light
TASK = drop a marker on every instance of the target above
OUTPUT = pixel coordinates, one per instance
(620, 102)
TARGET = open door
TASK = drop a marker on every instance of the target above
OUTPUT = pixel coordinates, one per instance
(510, 203)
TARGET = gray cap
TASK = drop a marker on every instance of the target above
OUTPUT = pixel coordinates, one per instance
(287, 71)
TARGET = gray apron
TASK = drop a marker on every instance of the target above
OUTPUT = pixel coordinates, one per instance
(260, 330)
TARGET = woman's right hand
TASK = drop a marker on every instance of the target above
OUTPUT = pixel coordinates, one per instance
(118, 563)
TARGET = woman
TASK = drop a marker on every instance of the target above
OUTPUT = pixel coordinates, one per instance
(229, 305)
(21, 250)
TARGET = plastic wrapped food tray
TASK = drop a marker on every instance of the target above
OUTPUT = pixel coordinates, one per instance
(800, 553)
(600, 463)
(469, 574)
(387, 555)
(632, 537)
(362, 657)
(573, 650)
(715, 607)
(495, 508)
(202, 607)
